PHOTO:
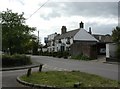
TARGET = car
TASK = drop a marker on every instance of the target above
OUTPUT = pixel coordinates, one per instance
(103, 50)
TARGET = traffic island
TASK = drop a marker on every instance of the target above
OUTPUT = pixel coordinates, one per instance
(65, 79)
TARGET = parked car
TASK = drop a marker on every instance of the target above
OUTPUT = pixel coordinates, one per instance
(102, 50)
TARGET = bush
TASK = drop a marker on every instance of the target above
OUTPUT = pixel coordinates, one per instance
(54, 54)
(81, 57)
(58, 54)
(66, 54)
(15, 60)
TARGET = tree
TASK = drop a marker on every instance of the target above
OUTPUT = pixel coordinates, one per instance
(116, 34)
(15, 34)
(116, 38)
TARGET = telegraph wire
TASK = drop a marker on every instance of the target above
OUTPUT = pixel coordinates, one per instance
(38, 9)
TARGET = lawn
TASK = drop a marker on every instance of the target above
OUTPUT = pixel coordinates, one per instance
(68, 79)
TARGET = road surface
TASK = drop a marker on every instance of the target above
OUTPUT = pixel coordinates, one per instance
(103, 69)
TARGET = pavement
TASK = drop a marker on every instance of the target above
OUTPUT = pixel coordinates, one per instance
(9, 76)
(20, 67)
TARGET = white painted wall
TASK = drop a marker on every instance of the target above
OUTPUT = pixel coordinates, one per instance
(58, 45)
(51, 37)
(44, 49)
(111, 50)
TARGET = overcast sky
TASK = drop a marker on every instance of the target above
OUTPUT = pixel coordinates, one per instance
(101, 16)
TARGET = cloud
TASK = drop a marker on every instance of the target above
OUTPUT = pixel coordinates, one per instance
(101, 16)
(100, 9)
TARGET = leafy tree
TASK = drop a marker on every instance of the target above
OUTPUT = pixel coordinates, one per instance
(116, 34)
(116, 38)
(15, 34)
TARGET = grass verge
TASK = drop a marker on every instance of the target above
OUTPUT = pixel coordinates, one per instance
(68, 79)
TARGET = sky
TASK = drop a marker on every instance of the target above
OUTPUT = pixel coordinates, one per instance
(100, 15)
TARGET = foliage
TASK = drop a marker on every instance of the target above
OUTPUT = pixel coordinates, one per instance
(116, 38)
(54, 54)
(58, 54)
(35, 48)
(116, 35)
(68, 79)
(15, 60)
(15, 34)
(81, 57)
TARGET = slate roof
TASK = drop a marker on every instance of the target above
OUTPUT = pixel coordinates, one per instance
(104, 38)
(67, 34)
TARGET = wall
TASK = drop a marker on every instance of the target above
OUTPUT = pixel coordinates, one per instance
(86, 48)
(111, 50)
(63, 42)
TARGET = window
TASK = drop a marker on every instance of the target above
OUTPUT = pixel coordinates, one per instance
(59, 41)
(53, 44)
(68, 40)
(67, 48)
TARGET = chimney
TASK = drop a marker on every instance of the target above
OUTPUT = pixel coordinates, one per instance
(81, 25)
(63, 29)
(90, 30)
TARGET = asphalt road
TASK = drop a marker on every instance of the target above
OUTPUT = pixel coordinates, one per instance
(103, 69)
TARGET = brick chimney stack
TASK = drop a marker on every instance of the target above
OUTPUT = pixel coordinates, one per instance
(63, 29)
(81, 25)
(90, 31)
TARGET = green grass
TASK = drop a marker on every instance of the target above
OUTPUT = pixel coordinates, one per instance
(68, 79)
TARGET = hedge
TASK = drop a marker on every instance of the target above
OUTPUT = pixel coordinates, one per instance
(58, 54)
(15, 60)
(81, 57)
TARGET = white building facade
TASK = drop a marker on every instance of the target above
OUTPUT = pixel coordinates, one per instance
(63, 41)
(51, 42)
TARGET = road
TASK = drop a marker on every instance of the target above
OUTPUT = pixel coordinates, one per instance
(103, 69)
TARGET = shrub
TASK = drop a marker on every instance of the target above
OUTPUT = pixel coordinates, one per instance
(66, 54)
(15, 60)
(59, 54)
(81, 57)
(54, 54)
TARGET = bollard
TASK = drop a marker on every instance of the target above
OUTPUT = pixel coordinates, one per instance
(40, 67)
(29, 72)
(77, 85)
